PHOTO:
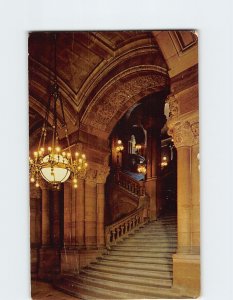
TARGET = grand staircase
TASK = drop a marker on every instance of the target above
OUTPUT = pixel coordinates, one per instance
(138, 267)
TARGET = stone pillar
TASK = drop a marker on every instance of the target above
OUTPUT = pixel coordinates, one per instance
(80, 213)
(186, 262)
(195, 221)
(56, 218)
(35, 228)
(90, 209)
(49, 264)
(184, 199)
(45, 218)
(67, 213)
(153, 126)
(101, 179)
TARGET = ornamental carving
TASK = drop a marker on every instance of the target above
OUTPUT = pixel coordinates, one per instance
(185, 133)
(125, 93)
(91, 176)
(195, 131)
(173, 106)
(102, 174)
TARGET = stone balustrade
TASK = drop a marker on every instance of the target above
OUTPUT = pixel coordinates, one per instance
(123, 227)
(131, 185)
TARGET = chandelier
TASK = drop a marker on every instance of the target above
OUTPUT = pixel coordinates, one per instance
(141, 169)
(52, 162)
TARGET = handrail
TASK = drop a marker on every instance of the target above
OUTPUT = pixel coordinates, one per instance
(125, 226)
(131, 185)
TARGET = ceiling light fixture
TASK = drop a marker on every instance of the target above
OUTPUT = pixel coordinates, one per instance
(52, 163)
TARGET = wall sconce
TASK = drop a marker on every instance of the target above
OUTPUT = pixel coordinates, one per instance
(164, 162)
(119, 146)
(141, 169)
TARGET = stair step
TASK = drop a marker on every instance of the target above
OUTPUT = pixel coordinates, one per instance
(151, 243)
(108, 288)
(137, 266)
(91, 292)
(165, 282)
(137, 260)
(142, 249)
(131, 271)
(131, 255)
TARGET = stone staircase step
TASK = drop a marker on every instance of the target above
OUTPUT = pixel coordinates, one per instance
(91, 292)
(151, 243)
(139, 255)
(163, 282)
(127, 288)
(136, 266)
(160, 248)
(149, 262)
(128, 271)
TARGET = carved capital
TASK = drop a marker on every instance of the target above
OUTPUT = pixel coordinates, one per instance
(195, 131)
(91, 176)
(102, 174)
(185, 133)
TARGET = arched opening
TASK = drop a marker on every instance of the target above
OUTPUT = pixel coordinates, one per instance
(147, 156)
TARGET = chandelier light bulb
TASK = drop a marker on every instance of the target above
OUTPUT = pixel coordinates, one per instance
(56, 164)
(75, 186)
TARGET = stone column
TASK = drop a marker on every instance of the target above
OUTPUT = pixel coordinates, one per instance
(80, 213)
(195, 222)
(184, 199)
(56, 218)
(153, 126)
(186, 262)
(45, 218)
(67, 213)
(101, 179)
(90, 209)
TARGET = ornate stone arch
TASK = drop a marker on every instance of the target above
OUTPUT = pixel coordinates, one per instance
(119, 94)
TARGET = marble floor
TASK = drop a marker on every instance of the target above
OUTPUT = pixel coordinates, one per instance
(43, 290)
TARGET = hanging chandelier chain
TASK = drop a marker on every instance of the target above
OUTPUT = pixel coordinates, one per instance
(56, 165)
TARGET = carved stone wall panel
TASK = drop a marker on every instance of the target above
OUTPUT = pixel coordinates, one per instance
(123, 92)
(185, 131)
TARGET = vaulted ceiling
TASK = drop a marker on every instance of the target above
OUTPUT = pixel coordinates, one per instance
(101, 75)
(91, 66)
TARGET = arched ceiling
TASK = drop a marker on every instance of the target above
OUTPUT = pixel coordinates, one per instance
(93, 68)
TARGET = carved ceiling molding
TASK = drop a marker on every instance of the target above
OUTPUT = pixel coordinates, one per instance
(121, 92)
(184, 130)
(104, 69)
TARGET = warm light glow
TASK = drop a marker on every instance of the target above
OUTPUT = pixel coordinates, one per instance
(56, 172)
(141, 169)
(138, 146)
(120, 146)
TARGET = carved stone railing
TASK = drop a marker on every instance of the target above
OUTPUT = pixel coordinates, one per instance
(122, 228)
(133, 186)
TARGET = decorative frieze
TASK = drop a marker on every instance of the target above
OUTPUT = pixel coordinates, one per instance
(184, 132)
(112, 102)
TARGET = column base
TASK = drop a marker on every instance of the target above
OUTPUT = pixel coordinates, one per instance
(49, 263)
(186, 274)
(73, 260)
